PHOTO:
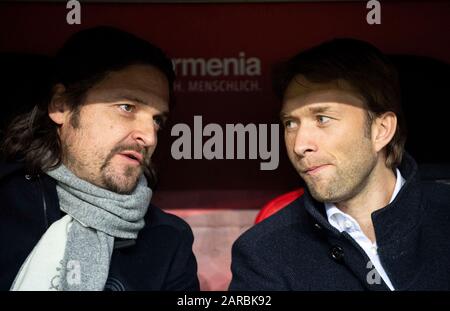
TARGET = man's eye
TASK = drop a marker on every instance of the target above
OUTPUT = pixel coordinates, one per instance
(323, 119)
(126, 107)
(159, 122)
(289, 124)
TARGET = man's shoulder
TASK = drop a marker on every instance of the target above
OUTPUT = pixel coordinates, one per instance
(8, 168)
(163, 234)
(437, 194)
(157, 217)
(278, 225)
(439, 186)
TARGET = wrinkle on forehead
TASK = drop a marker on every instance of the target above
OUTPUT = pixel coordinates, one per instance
(302, 92)
(146, 84)
(300, 86)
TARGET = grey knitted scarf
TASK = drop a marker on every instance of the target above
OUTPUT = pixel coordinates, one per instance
(99, 216)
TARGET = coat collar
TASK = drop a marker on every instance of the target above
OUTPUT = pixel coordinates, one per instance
(402, 215)
(394, 220)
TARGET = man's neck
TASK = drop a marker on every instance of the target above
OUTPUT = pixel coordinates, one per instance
(375, 195)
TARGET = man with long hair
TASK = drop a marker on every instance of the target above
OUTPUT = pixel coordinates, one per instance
(75, 183)
(366, 220)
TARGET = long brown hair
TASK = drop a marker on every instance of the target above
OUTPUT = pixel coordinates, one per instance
(85, 60)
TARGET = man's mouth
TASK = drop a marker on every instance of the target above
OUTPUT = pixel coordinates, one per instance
(314, 169)
(132, 156)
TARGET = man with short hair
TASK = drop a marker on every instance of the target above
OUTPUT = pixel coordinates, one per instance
(75, 189)
(366, 220)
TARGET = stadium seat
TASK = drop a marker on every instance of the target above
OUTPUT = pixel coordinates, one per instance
(278, 203)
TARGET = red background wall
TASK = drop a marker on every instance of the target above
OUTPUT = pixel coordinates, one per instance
(270, 32)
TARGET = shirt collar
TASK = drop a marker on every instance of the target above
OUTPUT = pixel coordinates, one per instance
(398, 185)
(340, 220)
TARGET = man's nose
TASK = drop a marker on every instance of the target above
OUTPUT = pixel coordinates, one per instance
(145, 134)
(305, 141)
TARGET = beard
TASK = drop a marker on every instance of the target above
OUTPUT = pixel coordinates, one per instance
(97, 166)
(105, 173)
(122, 181)
(345, 178)
(346, 182)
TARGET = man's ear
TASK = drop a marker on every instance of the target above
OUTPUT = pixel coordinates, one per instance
(58, 110)
(383, 130)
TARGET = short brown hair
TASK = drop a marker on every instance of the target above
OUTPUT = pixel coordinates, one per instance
(367, 70)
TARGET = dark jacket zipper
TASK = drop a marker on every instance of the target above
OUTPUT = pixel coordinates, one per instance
(44, 202)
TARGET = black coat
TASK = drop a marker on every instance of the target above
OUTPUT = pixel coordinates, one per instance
(297, 248)
(160, 259)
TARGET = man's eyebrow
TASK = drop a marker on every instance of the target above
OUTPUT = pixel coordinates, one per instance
(130, 98)
(312, 110)
(283, 115)
(319, 109)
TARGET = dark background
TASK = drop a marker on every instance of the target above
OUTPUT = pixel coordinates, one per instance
(414, 33)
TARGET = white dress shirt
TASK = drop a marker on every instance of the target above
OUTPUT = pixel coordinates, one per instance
(345, 222)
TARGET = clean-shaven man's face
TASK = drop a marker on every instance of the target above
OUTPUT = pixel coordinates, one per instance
(328, 139)
(114, 134)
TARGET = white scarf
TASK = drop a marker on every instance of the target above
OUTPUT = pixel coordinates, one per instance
(41, 269)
